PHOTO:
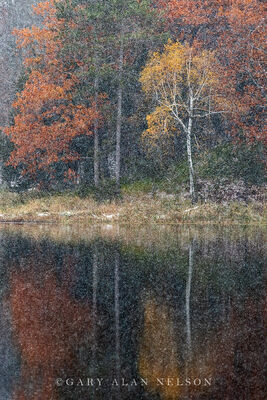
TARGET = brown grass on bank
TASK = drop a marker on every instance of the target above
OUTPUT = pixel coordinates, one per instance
(137, 209)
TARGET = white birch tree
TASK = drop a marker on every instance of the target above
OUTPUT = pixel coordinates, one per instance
(183, 84)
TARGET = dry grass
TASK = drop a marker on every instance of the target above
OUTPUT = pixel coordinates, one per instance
(138, 209)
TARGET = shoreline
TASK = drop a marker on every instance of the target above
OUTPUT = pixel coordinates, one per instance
(138, 210)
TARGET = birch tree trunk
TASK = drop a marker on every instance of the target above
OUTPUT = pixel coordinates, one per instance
(189, 152)
(119, 114)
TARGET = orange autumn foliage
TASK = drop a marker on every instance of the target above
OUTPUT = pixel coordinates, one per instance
(47, 122)
(48, 117)
(236, 29)
(245, 52)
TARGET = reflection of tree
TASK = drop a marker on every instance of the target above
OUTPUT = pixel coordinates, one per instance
(95, 281)
(117, 316)
(229, 355)
(187, 301)
(94, 314)
(9, 357)
(159, 355)
(48, 324)
(226, 337)
(158, 350)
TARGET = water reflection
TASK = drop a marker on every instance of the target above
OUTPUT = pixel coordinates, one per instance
(117, 318)
(49, 325)
(187, 301)
(158, 359)
(177, 319)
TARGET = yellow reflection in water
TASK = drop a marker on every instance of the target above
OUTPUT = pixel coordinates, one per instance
(158, 356)
(158, 351)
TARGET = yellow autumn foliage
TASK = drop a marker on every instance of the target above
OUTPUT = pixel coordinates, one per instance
(160, 133)
(159, 122)
(170, 79)
(179, 67)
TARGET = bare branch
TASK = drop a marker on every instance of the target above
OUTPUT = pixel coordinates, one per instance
(209, 113)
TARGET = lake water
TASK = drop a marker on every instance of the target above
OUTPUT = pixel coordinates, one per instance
(107, 312)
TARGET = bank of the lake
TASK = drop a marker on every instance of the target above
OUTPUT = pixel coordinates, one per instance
(138, 208)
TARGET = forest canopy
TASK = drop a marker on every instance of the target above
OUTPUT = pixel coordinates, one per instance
(126, 89)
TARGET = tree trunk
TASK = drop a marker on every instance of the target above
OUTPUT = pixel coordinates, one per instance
(96, 139)
(96, 92)
(80, 174)
(119, 114)
(189, 154)
(1, 173)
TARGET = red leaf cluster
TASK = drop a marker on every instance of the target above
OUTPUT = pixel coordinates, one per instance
(236, 30)
(48, 117)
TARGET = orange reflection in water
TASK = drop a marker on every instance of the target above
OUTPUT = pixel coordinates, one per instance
(49, 325)
(230, 353)
(158, 350)
(158, 357)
